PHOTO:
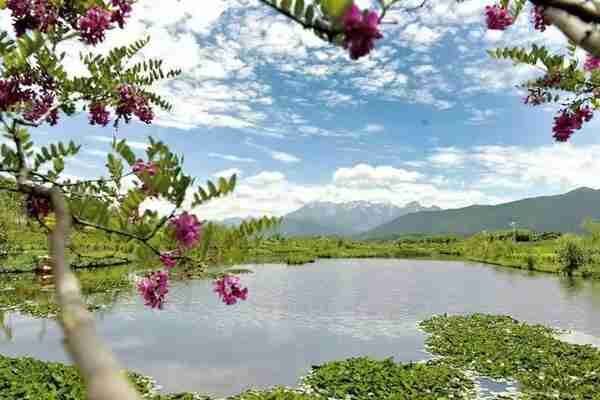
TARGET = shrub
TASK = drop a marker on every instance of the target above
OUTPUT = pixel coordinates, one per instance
(571, 253)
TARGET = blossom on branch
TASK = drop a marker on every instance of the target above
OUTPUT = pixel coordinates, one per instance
(154, 288)
(591, 63)
(568, 121)
(94, 24)
(360, 30)
(229, 290)
(187, 229)
(99, 115)
(43, 108)
(498, 18)
(132, 103)
(167, 260)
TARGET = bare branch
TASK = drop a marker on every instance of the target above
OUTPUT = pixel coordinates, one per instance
(587, 11)
(104, 377)
(577, 19)
(585, 35)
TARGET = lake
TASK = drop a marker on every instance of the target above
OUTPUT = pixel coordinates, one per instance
(296, 317)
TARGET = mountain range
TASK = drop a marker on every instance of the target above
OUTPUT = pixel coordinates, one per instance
(342, 219)
(366, 220)
(560, 213)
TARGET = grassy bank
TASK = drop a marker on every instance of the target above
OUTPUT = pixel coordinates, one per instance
(490, 346)
(529, 252)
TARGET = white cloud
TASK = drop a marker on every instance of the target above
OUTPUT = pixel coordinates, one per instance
(108, 139)
(374, 128)
(95, 152)
(367, 175)
(271, 193)
(227, 173)
(231, 157)
(560, 166)
(448, 157)
(284, 157)
(274, 154)
(480, 117)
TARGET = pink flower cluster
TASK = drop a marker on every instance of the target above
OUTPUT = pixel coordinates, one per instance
(568, 121)
(99, 115)
(538, 18)
(167, 259)
(140, 167)
(42, 107)
(154, 288)
(591, 63)
(37, 207)
(11, 93)
(229, 290)
(498, 18)
(121, 12)
(187, 229)
(361, 30)
(43, 15)
(93, 25)
(132, 103)
(32, 15)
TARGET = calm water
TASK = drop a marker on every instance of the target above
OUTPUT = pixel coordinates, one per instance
(300, 316)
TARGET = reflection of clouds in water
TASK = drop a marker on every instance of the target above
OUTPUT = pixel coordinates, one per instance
(298, 317)
(575, 337)
(184, 377)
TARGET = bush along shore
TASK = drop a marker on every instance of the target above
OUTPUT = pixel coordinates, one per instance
(467, 347)
(550, 252)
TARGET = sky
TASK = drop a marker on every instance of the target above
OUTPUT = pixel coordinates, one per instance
(428, 116)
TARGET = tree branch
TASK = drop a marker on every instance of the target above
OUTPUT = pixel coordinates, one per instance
(577, 19)
(585, 10)
(104, 377)
(145, 240)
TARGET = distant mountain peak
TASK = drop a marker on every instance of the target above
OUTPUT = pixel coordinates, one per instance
(582, 189)
(345, 218)
(557, 213)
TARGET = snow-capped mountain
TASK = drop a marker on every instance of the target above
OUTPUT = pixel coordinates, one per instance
(344, 219)
(350, 218)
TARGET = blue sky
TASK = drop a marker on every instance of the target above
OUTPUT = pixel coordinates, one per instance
(427, 117)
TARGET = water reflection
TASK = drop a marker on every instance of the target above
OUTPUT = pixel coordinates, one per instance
(298, 317)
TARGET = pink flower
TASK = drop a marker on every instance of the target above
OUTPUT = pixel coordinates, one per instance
(19, 8)
(140, 167)
(591, 63)
(154, 288)
(187, 229)
(32, 15)
(228, 289)
(94, 24)
(498, 18)
(538, 18)
(11, 93)
(45, 13)
(568, 121)
(98, 114)
(167, 260)
(131, 103)
(122, 12)
(43, 107)
(361, 31)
